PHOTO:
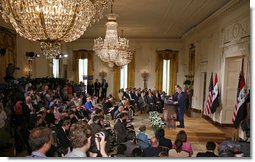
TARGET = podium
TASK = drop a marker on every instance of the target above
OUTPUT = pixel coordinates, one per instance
(169, 114)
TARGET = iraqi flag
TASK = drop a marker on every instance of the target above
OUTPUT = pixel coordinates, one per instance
(215, 98)
(240, 105)
(207, 110)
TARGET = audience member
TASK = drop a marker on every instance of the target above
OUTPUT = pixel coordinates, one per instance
(96, 125)
(178, 150)
(80, 136)
(143, 143)
(88, 106)
(118, 112)
(3, 119)
(130, 113)
(121, 150)
(137, 152)
(210, 146)
(131, 145)
(40, 140)
(120, 128)
(160, 134)
(62, 134)
(186, 146)
(153, 150)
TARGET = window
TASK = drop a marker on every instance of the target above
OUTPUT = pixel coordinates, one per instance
(56, 68)
(83, 70)
(166, 75)
(123, 76)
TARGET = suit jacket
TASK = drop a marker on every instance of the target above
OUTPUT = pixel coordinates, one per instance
(120, 129)
(151, 152)
(175, 96)
(136, 97)
(107, 105)
(126, 95)
(165, 142)
(97, 85)
(116, 114)
(150, 99)
(90, 88)
(104, 85)
(63, 138)
(206, 154)
(182, 102)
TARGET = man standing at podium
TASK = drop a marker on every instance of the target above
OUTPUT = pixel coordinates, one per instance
(181, 106)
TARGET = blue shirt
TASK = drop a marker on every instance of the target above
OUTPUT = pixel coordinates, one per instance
(88, 106)
(145, 139)
(36, 154)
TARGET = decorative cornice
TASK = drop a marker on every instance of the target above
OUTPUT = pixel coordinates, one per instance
(224, 11)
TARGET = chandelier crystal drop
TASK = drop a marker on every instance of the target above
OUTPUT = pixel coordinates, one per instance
(113, 49)
(52, 21)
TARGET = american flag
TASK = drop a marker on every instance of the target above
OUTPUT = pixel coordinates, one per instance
(240, 107)
(207, 110)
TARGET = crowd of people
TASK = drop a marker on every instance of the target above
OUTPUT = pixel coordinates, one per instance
(56, 118)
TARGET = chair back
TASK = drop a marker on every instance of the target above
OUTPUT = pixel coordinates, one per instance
(164, 149)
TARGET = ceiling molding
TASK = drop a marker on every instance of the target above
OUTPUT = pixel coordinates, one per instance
(225, 10)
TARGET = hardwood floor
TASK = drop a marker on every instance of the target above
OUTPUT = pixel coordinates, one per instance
(198, 129)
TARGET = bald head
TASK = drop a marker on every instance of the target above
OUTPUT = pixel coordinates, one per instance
(154, 142)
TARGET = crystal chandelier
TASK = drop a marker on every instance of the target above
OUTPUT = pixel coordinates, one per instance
(52, 21)
(113, 49)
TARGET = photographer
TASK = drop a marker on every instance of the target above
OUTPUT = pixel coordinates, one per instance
(81, 138)
(120, 128)
(96, 125)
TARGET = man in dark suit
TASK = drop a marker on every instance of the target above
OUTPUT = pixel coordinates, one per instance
(160, 134)
(62, 134)
(150, 101)
(210, 146)
(90, 88)
(181, 106)
(120, 128)
(175, 95)
(153, 150)
(97, 85)
(104, 86)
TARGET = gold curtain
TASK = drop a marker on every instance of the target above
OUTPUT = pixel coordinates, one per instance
(173, 73)
(7, 42)
(116, 81)
(173, 57)
(131, 74)
(82, 54)
(159, 72)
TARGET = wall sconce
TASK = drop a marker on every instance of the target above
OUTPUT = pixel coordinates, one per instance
(28, 72)
(102, 74)
(145, 75)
